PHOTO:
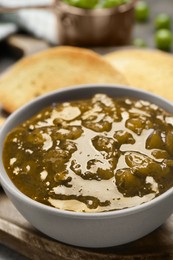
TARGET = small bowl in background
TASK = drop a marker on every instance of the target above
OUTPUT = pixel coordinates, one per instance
(102, 229)
(95, 27)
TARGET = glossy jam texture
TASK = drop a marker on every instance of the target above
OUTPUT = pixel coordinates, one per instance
(93, 155)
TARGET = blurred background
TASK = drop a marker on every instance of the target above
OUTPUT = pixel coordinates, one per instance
(27, 31)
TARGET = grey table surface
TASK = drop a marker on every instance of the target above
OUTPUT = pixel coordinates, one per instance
(144, 31)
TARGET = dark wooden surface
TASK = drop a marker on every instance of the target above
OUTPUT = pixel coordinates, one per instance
(17, 235)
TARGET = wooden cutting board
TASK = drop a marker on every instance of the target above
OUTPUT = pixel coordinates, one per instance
(18, 234)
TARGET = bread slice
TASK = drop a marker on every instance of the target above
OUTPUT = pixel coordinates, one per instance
(52, 69)
(2, 119)
(150, 70)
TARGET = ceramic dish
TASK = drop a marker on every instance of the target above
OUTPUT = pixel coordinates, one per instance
(102, 229)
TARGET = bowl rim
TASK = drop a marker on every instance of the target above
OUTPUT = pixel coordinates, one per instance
(62, 6)
(10, 188)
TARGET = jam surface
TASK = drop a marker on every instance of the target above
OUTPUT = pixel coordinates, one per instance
(93, 155)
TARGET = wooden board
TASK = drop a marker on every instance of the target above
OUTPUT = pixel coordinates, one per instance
(18, 234)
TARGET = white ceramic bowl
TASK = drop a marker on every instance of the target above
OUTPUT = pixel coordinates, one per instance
(87, 229)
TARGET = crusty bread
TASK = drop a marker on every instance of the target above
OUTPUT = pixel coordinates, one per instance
(2, 119)
(150, 70)
(53, 69)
